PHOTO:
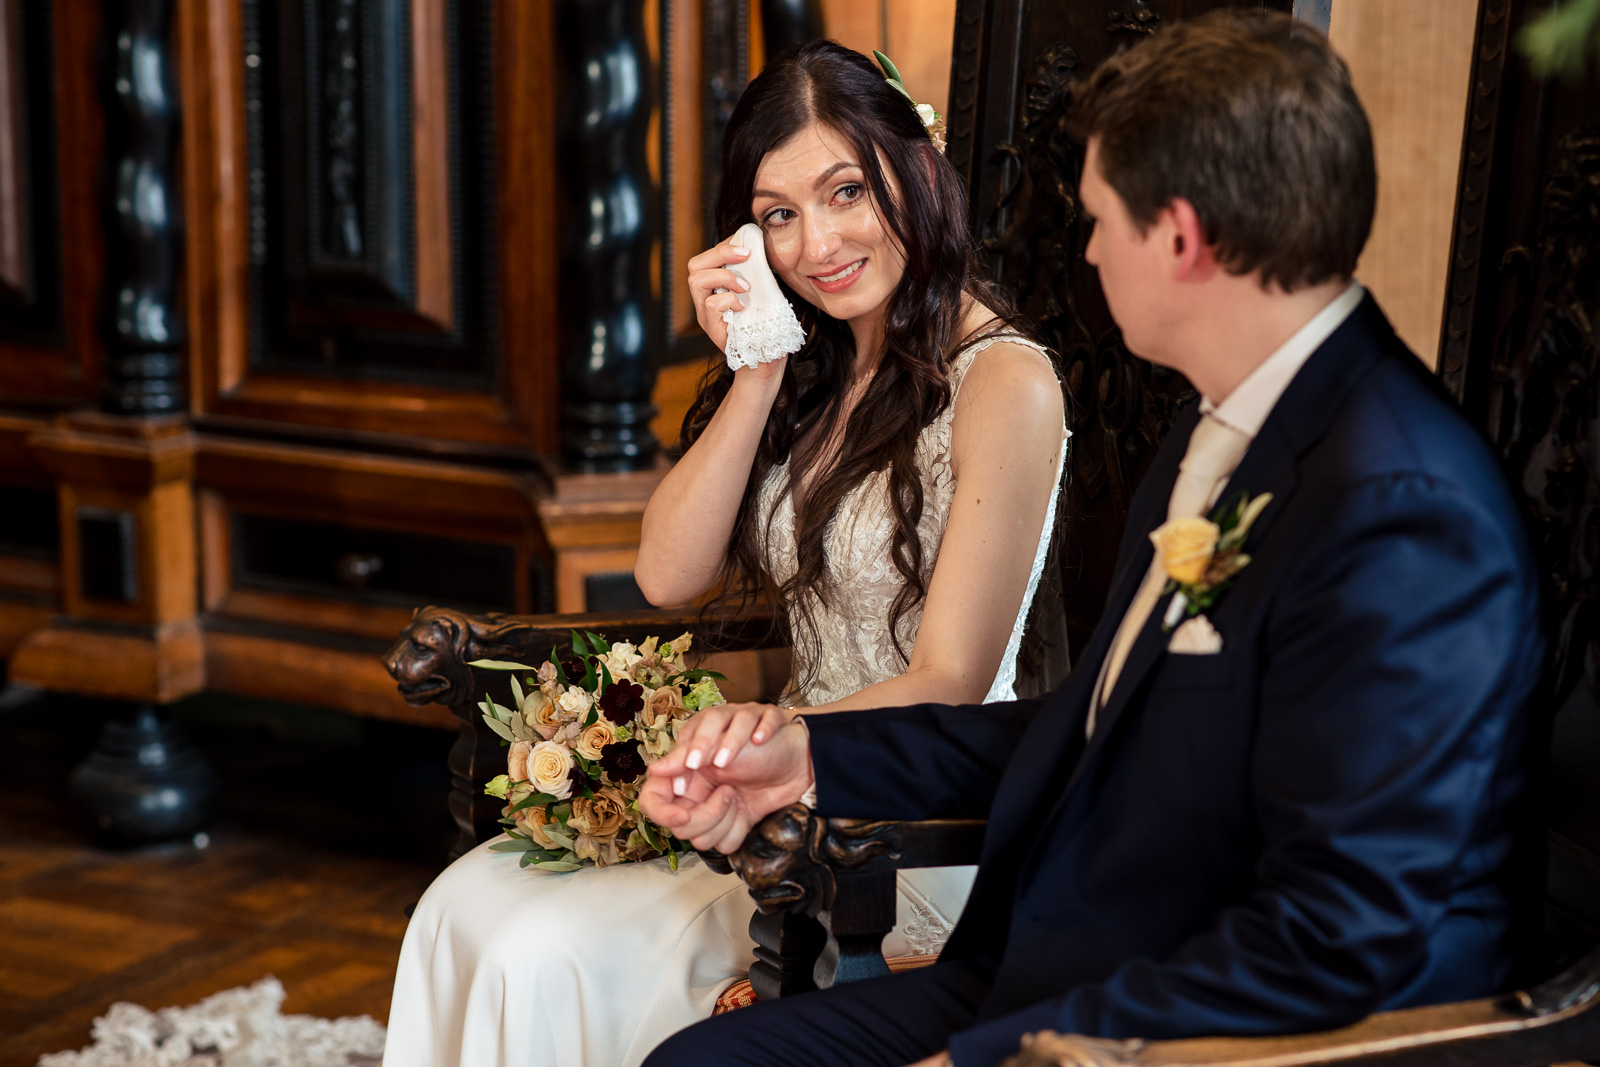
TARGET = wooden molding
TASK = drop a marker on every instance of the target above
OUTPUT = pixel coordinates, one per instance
(430, 146)
(157, 665)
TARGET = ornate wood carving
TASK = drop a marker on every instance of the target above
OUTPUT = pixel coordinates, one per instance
(609, 341)
(143, 328)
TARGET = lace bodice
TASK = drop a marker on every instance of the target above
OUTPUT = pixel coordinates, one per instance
(856, 648)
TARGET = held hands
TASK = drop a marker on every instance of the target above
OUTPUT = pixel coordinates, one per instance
(732, 766)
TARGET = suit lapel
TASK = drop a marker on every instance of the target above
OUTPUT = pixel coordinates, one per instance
(1297, 421)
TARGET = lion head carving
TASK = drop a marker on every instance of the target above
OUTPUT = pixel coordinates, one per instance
(429, 661)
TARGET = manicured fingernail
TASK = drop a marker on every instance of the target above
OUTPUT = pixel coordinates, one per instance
(740, 250)
(679, 785)
(722, 757)
(694, 760)
(759, 735)
(744, 286)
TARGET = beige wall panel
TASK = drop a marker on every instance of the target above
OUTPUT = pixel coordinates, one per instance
(1410, 63)
(855, 24)
(921, 33)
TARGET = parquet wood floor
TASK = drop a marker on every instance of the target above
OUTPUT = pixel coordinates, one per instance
(321, 845)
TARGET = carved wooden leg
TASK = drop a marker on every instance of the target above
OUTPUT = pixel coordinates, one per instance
(476, 757)
(863, 913)
(787, 947)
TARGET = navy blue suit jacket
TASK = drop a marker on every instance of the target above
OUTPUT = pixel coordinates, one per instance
(1288, 835)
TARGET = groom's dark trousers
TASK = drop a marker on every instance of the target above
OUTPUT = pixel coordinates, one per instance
(1302, 828)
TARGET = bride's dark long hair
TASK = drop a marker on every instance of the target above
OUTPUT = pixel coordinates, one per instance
(823, 82)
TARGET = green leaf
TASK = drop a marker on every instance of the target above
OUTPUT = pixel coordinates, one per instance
(500, 665)
(559, 865)
(672, 860)
(512, 846)
(1561, 39)
(555, 661)
(600, 645)
(533, 802)
(890, 71)
(559, 838)
(527, 859)
(605, 672)
(498, 727)
(516, 691)
(579, 644)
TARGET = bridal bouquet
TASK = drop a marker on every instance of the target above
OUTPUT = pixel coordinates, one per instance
(584, 729)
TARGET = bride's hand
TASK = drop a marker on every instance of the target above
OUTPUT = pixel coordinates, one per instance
(719, 733)
(714, 805)
(706, 275)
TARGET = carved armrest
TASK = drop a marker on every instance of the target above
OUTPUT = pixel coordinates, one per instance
(1556, 1022)
(793, 860)
(430, 660)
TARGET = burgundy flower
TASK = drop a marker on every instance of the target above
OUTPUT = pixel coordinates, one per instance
(621, 701)
(573, 668)
(622, 761)
(580, 781)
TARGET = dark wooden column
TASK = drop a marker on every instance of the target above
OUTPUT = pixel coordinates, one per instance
(143, 326)
(608, 323)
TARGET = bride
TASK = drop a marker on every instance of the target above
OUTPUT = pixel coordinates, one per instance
(891, 486)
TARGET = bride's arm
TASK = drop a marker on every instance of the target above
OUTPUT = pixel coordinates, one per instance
(1005, 444)
(689, 520)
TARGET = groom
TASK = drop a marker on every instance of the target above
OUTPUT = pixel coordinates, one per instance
(1278, 797)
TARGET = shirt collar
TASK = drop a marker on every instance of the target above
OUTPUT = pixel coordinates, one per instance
(1253, 399)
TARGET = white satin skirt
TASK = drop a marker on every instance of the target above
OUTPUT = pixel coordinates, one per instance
(593, 968)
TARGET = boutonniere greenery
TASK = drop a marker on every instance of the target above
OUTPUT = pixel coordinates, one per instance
(1201, 557)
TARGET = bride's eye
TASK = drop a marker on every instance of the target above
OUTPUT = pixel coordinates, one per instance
(849, 193)
(776, 218)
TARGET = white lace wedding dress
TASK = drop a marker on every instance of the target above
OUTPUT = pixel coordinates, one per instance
(594, 968)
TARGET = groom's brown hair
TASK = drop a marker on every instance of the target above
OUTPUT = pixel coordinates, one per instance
(1251, 117)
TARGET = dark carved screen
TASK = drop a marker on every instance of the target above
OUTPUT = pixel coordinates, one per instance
(1012, 71)
(372, 202)
(1521, 351)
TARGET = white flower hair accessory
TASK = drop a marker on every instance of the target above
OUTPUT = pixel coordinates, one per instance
(932, 121)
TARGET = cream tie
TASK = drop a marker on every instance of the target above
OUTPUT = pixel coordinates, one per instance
(1215, 449)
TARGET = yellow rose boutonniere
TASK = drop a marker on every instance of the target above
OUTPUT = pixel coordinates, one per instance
(1201, 557)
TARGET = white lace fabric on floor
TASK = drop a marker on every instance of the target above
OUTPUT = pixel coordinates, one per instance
(856, 645)
(241, 1027)
(766, 329)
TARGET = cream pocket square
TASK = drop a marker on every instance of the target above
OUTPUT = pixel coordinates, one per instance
(1197, 637)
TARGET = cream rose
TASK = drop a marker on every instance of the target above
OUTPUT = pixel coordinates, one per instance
(1184, 547)
(548, 766)
(531, 821)
(544, 718)
(517, 760)
(575, 702)
(601, 817)
(620, 660)
(661, 706)
(595, 737)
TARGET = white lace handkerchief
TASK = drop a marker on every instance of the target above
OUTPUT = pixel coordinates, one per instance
(766, 328)
(1197, 637)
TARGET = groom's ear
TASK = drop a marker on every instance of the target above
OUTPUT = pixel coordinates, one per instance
(1194, 259)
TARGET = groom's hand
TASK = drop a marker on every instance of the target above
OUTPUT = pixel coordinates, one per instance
(712, 801)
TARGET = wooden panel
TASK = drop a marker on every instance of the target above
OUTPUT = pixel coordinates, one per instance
(284, 669)
(1410, 64)
(50, 349)
(475, 362)
(16, 215)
